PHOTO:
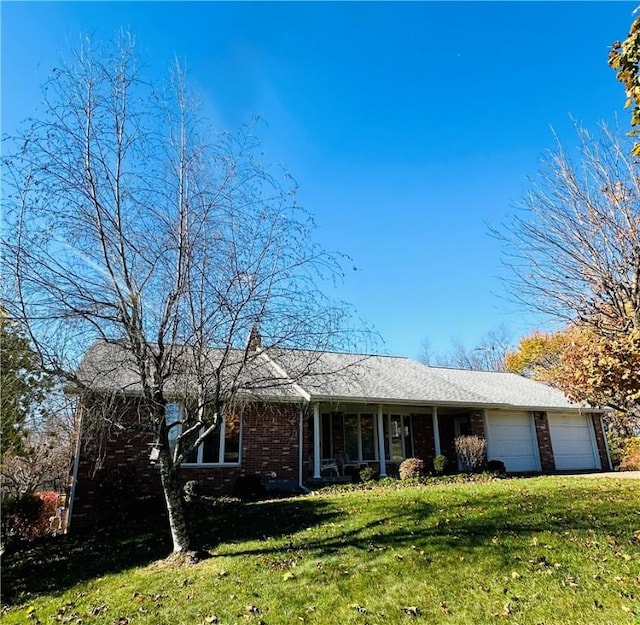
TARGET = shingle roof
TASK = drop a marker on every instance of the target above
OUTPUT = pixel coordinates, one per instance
(380, 379)
(332, 376)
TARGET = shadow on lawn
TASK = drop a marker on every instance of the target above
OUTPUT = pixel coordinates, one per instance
(54, 564)
(465, 524)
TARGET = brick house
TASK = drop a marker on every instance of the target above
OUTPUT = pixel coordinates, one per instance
(343, 412)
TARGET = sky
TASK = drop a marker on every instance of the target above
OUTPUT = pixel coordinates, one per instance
(410, 128)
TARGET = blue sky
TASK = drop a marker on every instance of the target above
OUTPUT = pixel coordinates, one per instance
(410, 127)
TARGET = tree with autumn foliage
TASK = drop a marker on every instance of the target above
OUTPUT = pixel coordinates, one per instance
(573, 253)
(624, 58)
(588, 367)
(537, 356)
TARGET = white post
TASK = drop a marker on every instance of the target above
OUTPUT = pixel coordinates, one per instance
(436, 431)
(316, 441)
(383, 462)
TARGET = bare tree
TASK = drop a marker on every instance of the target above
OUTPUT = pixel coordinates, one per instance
(487, 355)
(573, 250)
(130, 221)
(45, 459)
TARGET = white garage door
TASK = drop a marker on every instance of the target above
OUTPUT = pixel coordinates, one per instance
(573, 442)
(511, 438)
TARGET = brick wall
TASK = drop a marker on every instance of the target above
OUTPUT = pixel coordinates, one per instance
(543, 435)
(423, 440)
(476, 421)
(126, 479)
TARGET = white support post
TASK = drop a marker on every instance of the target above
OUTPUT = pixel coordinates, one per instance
(383, 462)
(436, 431)
(316, 441)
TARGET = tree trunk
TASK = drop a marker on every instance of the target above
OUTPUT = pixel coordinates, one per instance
(173, 499)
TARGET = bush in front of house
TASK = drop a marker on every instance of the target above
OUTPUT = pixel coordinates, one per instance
(471, 451)
(27, 516)
(367, 474)
(191, 491)
(630, 454)
(440, 463)
(411, 468)
(496, 467)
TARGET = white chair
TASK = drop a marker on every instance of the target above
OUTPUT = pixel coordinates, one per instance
(329, 464)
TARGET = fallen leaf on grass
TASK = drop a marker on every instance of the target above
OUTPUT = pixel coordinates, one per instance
(412, 610)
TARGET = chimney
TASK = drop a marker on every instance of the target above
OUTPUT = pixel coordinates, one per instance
(255, 340)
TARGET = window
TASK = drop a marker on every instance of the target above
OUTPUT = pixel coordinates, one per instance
(398, 437)
(354, 433)
(221, 446)
(171, 416)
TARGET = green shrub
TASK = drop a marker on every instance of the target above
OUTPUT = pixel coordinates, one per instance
(367, 474)
(411, 468)
(440, 463)
(191, 491)
(616, 448)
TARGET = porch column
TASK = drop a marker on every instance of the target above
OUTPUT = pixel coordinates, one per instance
(436, 431)
(383, 462)
(316, 441)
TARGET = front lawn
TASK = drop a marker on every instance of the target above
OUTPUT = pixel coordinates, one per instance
(540, 550)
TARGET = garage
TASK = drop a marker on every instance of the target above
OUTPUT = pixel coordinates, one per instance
(573, 442)
(511, 438)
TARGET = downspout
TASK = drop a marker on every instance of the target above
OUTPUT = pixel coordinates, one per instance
(301, 485)
(74, 476)
(606, 443)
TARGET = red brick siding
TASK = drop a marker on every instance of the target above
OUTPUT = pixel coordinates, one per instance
(476, 421)
(601, 441)
(423, 440)
(269, 444)
(543, 435)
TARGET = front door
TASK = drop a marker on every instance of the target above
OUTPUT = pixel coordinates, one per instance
(461, 427)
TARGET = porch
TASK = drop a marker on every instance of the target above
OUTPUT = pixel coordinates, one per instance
(341, 440)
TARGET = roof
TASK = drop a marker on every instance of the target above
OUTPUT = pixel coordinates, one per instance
(303, 375)
(396, 379)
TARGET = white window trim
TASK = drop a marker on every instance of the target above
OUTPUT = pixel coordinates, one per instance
(406, 420)
(200, 448)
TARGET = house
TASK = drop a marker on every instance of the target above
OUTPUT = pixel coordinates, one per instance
(373, 410)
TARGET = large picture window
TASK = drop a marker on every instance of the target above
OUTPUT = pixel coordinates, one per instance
(353, 433)
(357, 435)
(220, 447)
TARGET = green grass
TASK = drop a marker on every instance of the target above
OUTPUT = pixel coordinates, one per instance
(543, 550)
